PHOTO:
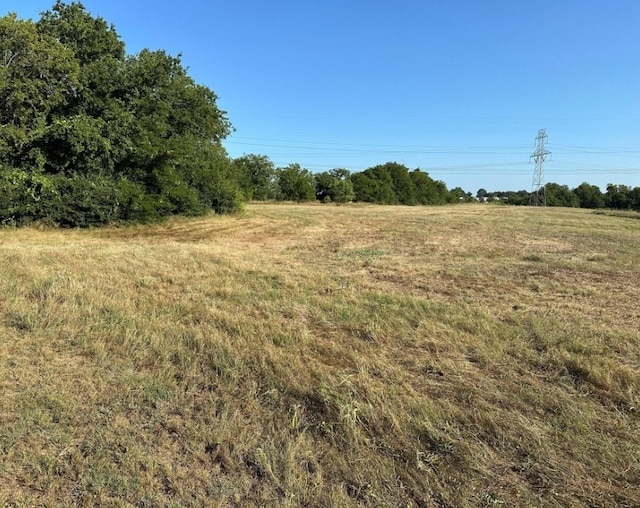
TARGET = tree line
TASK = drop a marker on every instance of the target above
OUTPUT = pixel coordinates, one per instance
(388, 184)
(90, 135)
(585, 195)
(394, 183)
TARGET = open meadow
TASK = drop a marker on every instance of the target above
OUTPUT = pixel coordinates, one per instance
(321, 355)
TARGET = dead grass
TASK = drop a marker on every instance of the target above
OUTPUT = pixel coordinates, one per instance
(307, 355)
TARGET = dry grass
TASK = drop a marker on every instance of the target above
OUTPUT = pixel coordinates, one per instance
(307, 355)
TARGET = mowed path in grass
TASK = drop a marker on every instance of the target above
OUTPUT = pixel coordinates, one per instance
(314, 355)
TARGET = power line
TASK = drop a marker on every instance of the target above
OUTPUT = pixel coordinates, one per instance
(302, 146)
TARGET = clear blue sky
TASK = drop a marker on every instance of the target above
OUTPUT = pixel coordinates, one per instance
(458, 88)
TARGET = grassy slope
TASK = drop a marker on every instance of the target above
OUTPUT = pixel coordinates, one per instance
(324, 356)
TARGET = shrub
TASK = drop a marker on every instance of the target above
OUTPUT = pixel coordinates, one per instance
(25, 197)
(84, 201)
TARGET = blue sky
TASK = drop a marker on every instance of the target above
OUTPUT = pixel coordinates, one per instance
(458, 88)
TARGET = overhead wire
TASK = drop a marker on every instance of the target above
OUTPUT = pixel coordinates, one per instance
(564, 161)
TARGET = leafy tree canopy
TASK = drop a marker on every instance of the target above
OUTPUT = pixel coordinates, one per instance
(560, 195)
(458, 195)
(589, 196)
(334, 186)
(256, 174)
(295, 183)
(81, 118)
(428, 191)
(392, 183)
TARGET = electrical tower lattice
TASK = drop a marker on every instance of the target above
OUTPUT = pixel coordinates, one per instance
(538, 197)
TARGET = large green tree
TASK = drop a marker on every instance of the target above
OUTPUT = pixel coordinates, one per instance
(374, 185)
(294, 183)
(401, 182)
(392, 183)
(38, 76)
(334, 186)
(133, 134)
(560, 195)
(256, 174)
(428, 191)
(618, 197)
(589, 196)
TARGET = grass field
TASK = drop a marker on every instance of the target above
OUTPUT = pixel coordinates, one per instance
(309, 355)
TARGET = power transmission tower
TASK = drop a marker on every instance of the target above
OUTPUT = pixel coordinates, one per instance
(538, 197)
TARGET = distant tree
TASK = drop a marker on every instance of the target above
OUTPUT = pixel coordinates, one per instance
(426, 190)
(364, 187)
(334, 186)
(482, 193)
(459, 195)
(589, 196)
(256, 174)
(374, 185)
(294, 183)
(324, 184)
(500, 196)
(618, 197)
(622, 197)
(634, 196)
(389, 184)
(520, 198)
(560, 195)
(401, 183)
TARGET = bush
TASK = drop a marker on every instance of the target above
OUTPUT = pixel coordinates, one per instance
(226, 198)
(84, 201)
(25, 197)
(134, 204)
